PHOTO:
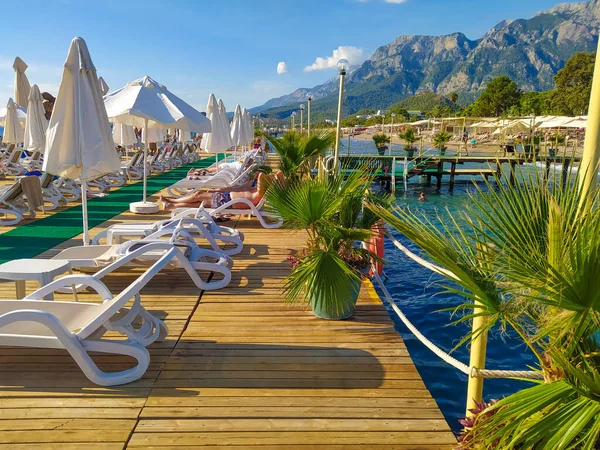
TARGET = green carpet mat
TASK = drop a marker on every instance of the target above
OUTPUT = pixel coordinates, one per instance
(31, 239)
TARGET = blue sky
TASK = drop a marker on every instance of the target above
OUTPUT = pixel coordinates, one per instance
(229, 47)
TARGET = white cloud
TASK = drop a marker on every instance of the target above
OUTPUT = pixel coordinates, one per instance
(282, 68)
(354, 55)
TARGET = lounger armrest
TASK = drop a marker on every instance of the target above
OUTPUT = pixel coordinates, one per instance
(79, 280)
(180, 213)
(45, 318)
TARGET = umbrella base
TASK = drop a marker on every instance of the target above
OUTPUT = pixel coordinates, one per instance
(144, 207)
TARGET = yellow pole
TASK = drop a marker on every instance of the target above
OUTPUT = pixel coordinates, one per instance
(339, 122)
(477, 359)
(591, 145)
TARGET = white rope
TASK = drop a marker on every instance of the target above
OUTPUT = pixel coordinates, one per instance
(470, 371)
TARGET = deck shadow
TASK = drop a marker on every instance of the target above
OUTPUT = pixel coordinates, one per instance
(203, 364)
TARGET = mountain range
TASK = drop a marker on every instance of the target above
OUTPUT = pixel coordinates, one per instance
(530, 51)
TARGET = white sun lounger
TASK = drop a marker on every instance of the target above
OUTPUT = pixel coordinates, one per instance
(79, 327)
(229, 209)
(200, 225)
(92, 257)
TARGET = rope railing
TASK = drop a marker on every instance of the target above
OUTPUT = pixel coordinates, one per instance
(470, 371)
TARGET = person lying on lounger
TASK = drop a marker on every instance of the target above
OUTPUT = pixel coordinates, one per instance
(194, 173)
(254, 191)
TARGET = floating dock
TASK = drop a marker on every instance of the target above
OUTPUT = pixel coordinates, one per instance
(239, 370)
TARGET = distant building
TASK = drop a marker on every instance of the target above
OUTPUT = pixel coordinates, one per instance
(419, 115)
(331, 122)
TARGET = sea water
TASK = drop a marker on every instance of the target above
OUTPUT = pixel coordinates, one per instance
(416, 290)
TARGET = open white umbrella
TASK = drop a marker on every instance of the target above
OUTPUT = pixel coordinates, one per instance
(225, 124)
(36, 124)
(13, 131)
(146, 104)
(22, 86)
(103, 86)
(79, 144)
(236, 127)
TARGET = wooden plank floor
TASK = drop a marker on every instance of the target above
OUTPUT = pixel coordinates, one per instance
(239, 369)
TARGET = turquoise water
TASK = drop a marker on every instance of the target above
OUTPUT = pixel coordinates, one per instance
(414, 290)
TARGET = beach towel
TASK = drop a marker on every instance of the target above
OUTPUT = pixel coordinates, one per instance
(33, 191)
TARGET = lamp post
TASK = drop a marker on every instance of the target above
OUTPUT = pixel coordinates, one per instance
(342, 66)
(308, 101)
(392, 132)
(302, 119)
(293, 116)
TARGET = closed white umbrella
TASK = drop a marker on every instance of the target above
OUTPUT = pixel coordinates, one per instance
(13, 131)
(21, 114)
(79, 144)
(146, 104)
(154, 135)
(215, 141)
(236, 127)
(249, 129)
(225, 124)
(22, 86)
(184, 136)
(123, 135)
(36, 124)
(103, 86)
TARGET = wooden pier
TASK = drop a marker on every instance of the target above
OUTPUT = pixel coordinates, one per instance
(239, 370)
(390, 169)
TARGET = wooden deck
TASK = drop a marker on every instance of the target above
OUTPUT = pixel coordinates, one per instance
(239, 370)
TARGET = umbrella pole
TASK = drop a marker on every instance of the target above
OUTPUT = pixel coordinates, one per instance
(86, 233)
(145, 156)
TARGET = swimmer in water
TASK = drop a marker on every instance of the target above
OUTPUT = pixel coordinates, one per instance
(422, 197)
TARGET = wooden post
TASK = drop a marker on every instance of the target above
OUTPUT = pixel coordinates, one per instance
(566, 165)
(439, 175)
(452, 174)
(512, 172)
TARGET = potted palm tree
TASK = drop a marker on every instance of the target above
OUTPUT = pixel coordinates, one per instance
(381, 141)
(541, 286)
(297, 153)
(410, 138)
(327, 273)
(440, 140)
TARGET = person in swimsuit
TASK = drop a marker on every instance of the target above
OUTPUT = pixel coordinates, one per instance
(213, 198)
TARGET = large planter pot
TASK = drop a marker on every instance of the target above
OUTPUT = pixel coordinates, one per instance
(552, 153)
(443, 151)
(322, 313)
(410, 153)
(382, 150)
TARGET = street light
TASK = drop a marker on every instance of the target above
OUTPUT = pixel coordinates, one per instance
(301, 118)
(308, 101)
(392, 132)
(293, 116)
(342, 66)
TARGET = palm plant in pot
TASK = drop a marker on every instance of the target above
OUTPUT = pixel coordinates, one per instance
(410, 138)
(297, 153)
(556, 140)
(381, 141)
(440, 140)
(327, 273)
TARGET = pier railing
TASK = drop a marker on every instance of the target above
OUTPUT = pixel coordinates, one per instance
(475, 370)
